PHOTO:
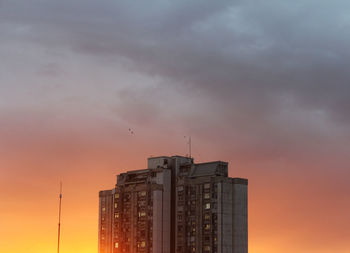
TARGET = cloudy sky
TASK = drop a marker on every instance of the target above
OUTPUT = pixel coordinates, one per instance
(263, 85)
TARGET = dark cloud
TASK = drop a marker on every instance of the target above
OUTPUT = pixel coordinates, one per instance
(275, 69)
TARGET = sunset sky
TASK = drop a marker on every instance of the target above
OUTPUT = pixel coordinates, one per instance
(264, 85)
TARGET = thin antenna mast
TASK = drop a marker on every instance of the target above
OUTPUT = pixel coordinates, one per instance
(189, 143)
(59, 219)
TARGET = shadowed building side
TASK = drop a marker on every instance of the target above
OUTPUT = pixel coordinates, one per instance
(105, 225)
(240, 215)
(139, 213)
(211, 210)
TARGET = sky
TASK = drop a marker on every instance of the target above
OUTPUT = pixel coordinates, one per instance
(263, 85)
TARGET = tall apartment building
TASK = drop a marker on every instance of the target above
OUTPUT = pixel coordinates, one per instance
(175, 206)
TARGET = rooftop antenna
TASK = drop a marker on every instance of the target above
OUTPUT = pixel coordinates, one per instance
(189, 142)
(59, 219)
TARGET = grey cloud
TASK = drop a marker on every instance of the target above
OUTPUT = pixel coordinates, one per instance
(248, 57)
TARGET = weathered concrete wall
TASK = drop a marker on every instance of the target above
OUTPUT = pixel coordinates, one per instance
(157, 222)
(166, 212)
(227, 232)
(240, 217)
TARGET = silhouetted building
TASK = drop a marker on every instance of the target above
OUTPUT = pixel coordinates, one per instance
(106, 221)
(175, 206)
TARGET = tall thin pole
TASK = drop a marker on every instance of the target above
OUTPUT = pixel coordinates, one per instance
(59, 220)
(189, 143)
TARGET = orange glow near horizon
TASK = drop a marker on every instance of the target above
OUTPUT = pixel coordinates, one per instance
(287, 213)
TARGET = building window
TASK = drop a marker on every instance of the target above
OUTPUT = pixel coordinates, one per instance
(207, 226)
(207, 248)
(126, 197)
(142, 193)
(207, 206)
(142, 214)
(116, 215)
(207, 186)
(116, 245)
(116, 195)
(115, 205)
(207, 195)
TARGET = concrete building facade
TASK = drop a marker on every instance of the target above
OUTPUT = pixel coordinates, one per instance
(175, 206)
